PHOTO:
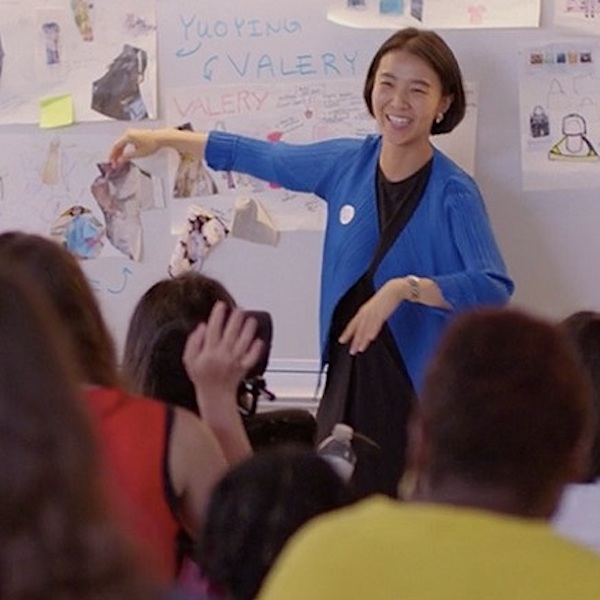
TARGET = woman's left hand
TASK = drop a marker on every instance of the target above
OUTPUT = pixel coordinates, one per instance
(366, 324)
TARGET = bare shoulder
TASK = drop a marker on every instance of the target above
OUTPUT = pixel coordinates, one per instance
(189, 426)
(193, 446)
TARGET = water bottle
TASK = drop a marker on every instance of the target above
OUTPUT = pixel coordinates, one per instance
(337, 450)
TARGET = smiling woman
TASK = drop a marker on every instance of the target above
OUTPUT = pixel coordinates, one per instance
(406, 98)
(408, 242)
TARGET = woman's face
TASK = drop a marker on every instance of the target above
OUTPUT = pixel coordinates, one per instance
(407, 97)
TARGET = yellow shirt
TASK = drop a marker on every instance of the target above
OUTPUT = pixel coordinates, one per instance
(383, 550)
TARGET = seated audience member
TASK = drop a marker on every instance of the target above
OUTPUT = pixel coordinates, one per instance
(58, 536)
(163, 461)
(579, 513)
(161, 321)
(502, 426)
(268, 497)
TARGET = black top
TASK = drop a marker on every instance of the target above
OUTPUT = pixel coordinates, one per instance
(372, 391)
(391, 195)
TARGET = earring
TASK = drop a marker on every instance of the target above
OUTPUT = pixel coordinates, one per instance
(439, 118)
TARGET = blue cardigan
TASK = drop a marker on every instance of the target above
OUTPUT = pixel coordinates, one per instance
(448, 239)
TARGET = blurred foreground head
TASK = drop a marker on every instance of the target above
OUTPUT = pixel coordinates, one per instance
(256, 508)
(59, 276)
(505, 420)
(57, 537)
(583, 328)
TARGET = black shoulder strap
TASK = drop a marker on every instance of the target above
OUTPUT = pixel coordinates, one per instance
(394, 228)
(389, 235)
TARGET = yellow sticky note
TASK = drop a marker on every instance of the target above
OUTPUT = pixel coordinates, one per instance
(56, 111)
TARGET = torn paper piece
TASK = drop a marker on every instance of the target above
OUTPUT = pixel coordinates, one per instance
(252, 223)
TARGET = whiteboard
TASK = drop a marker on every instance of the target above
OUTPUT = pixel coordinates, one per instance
(548, 238)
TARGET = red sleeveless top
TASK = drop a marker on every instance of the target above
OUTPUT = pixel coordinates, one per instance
(133, 433)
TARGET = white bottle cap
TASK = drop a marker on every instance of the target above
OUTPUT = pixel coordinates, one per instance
(342, 431)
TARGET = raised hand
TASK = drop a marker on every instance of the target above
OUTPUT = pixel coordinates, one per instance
(216, 356)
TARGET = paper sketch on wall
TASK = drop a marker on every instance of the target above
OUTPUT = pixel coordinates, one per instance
(587, 84)
(82, 15)
(539, 124)
(203, 231)
(575, 144)
(80, 232)
(47, 178)
(103, 55)
(557, 99)
(584, 14)
(192, 179)
(485, 13)
(122, 193)
(117, 93)
(286, 112)
(434, 14)
(51, 30)
(559, 91)
(588, 109)
(51, 170)
(588, 8)
(138, 25)
(51, 54)
(251, 222)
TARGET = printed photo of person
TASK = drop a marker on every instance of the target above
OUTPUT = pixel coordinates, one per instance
(117, 93)
(122, 193)
(80, 232)
(192, 179)
(82, 13)
(51, 31)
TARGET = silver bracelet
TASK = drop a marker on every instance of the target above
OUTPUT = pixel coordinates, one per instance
(414, 287)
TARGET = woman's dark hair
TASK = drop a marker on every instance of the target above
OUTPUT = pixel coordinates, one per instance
(162, 319)
(583, 328)
(506, 403)
(256, 508)
(430, 47)
(57, 272)
(58, 540)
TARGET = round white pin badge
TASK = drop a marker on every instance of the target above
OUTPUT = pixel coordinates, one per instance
(346, 214)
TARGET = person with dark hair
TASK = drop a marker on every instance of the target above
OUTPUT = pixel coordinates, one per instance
(159, 361)
(268, 497)
(162, 319)
(163, 461)
(58, 536)
(579, 514)
(408, 242)
(583, 328)
(503, 425)
(161, 322)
